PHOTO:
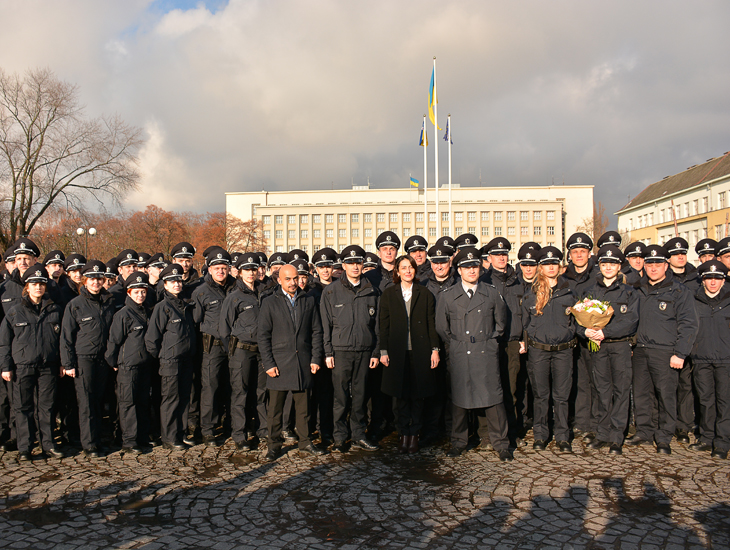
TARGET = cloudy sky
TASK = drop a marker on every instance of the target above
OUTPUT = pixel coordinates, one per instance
(248, 95)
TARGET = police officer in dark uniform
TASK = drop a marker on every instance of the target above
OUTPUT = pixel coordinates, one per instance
(171, 338)
(127, 354)
(723, 251)
(349, 312)
(9, 263)
(465, 240)
(263, 261)
(711, 372)
(387, 244)
(527, 260)
(274, 265)
(549, 339)
(685, 273)
(53, 263)
(371, 262)
(111, 275)
(182, 254)
(208, 301)
(29, 358)
(239, 327)
(667, 330)
(580, 274)
(127, 261)
(144, 258)
(84, 335)
(634, 267)
(502, 276)
(706, 249)
(609, 237)
(611, 364)
(471, 317)
(416, 247)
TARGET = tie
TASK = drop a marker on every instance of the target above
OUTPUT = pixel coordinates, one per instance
(470, 293)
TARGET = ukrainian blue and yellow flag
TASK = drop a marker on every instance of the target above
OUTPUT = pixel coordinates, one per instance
(432, 98)
(424, 136)
(414, 182)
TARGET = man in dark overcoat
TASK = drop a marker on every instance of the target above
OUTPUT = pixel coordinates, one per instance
(290, 343)
(471, 316)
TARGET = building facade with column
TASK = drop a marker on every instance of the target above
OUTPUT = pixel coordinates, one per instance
(700, 197)
(310, 220)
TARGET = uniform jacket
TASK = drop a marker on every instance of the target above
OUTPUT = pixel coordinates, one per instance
(126, 347)
(625, 306)
(713, 337)
(11, 291)
(424, 270)
(580, 281)
(85, 327)
(512, 291)
(68, 290)
(435, 286)
(208, 300)
(240, 313)
(171, 330)
(380, 278)
(633, 278)
(350, 317)
(471, 328)
(668, 319)
(120, 295)
(394, 329)
(556, 324)
(688, 277)
(288, 346)
(30, 335)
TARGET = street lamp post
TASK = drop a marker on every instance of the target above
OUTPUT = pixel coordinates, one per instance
(81, 231)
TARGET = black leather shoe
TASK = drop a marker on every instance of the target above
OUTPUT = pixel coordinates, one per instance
(506, 456)
(717, 453)
(132, 450)
(10, 445)
(615, 449)
(174, 446)
(663, 449)
(92, 452)
(54, 453)
(310, 450)
(699, 446)
(270, 456)
(453, 452)
(365, 445)
(564, 446)
(596, 444)
(682, 436)
(519, 442)
(589, 437)
(211, 441)
(539, 445)
(485, 446)
(339, 447)
(242, 446)
(25, 456)
(290, 438)
(636, 440)
(326, 440)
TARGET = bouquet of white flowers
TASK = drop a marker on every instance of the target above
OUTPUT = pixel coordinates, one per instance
(593, 314)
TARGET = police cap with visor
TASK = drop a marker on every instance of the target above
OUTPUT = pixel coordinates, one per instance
(387, 238)
(127, 257)
(74, 261)
(35, 274)
(173, 272)
(579, 240)
(465, 239)
(415, 242)
(610, 253)
(527, 254)
(676, 245)
(352, 254)
(467, 256)
(218, 256)
(634, 249)
(712, 269)
(371, 260)
(723, 247)
(549, 255)
(25, 246)
(439, 254)
(138, 279)
(655, 254)
(295, 255)
(183, 250)
(54, 257)
(248, 261)
(324, 257)
(609, 237)
(706, 246)
(94, 269)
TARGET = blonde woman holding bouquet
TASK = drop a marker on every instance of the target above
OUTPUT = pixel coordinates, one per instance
(611, 364)
(548, 340)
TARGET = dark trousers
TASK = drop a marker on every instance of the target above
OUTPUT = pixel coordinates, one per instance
(379, 404)
(409, 415)
(176, 378)
(133, 391)
(586, 399)
(655, 382)
(212, 388)
(276, 409)
(437, 408)
(243, 367)
(612, 373)
(713, 386)
(261, 403)
(545, 367)
(192, 410)
(90, 382)
(492, 426)
(7, 427)
(513, 382)
(349, 378)
(34, 390)
(155, 399)
(685, 398)
(67, 409)
(321, 403)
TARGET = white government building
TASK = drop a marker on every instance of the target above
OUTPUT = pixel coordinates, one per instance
(310, 220)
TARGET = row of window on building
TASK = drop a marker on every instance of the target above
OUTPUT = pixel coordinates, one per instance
(406, 232)
(367, 247)
(685, 210)
(393, 217)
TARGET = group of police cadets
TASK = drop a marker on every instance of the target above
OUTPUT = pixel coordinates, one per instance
(142, 351)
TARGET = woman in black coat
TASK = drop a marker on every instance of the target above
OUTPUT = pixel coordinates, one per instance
(409, 349)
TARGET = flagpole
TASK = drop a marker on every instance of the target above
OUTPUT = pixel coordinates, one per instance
(425, 181)
(451, 214)
(436, 150)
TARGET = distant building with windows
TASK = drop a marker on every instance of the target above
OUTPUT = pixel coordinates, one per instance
(310, 220)
(701, 199)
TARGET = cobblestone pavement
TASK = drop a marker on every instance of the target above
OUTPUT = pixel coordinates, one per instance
(217, 499)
